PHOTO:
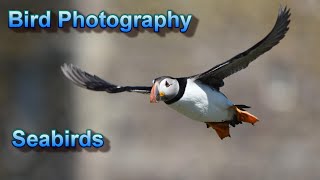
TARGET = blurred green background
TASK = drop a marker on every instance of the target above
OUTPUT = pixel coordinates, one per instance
(151, 141)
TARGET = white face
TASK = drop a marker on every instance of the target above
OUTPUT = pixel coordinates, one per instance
(164, 89)
(168, 89)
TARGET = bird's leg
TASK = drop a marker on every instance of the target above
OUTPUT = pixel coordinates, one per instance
(222, 128)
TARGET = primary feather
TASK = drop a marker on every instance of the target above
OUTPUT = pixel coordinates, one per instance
(215, 75)
(93, 82)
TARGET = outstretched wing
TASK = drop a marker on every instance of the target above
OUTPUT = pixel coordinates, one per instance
(215, 75)
(93, 82)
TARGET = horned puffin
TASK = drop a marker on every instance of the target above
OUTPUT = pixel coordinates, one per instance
(197, 97)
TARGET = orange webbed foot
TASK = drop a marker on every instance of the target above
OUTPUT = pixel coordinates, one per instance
(222, 128)
(245, 116)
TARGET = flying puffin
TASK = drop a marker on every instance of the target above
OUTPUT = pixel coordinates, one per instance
(197, 97)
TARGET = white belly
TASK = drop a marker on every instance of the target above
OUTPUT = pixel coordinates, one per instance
(202, 103)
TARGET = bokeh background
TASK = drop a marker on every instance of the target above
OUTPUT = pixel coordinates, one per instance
(153, 141)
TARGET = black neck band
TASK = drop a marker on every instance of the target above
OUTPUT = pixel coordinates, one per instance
(182, 87)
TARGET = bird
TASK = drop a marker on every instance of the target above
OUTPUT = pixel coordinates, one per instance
(198, 97)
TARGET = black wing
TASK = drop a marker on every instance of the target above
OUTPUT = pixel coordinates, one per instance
(215, 75)
(93, 82)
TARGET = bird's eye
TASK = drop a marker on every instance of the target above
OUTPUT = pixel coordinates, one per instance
(167, 84)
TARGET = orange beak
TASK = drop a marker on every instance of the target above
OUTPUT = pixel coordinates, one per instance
(154, 93)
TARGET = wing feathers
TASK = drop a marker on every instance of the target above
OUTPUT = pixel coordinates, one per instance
(215, 75)
(93, 82)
